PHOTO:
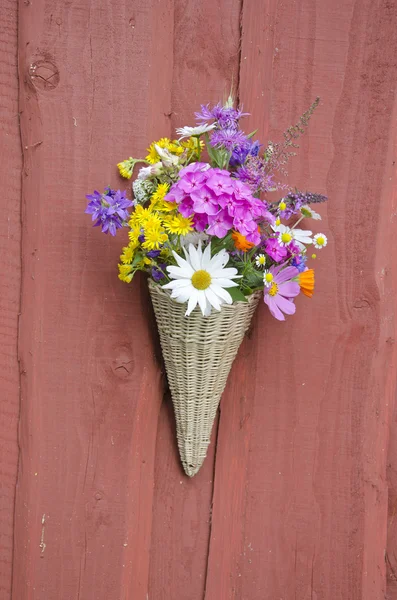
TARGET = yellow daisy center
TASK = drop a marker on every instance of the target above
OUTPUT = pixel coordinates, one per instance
(273, 289)
(261, 260)
(201, 280)
(320, 240)
(278, 221)
(269, 277)
(282, 206)
(286, 238)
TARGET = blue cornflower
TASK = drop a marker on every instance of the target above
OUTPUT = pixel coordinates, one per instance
(299, 262)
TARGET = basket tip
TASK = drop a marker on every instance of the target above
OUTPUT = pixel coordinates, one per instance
(191, 470)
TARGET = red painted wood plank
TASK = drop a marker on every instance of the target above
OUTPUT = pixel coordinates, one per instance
(300, 498)
(205, 61)
(389, 198)
(94, 88)
(10, 281)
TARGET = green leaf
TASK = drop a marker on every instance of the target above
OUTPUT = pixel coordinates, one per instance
(237, 295)
(137, 259)
(250, 135)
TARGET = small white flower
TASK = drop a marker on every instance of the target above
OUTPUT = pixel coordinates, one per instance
(260, 260)
(167, 158)
(151, 171)
(320, 240)
(285, 232)
(201, 279)
(307, 211)
(287, 235)
(185, 132)
(267, 278)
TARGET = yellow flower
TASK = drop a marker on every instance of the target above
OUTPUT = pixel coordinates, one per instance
(128, 254)
(126, 167)
(191, 145)
(163, 205)
(160, 192)
(139, 216)
(178, 224)
(154, 238)
(133, 234)
(165, 143)
(126, 273)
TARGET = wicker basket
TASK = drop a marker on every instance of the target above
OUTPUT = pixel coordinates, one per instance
(198, 354)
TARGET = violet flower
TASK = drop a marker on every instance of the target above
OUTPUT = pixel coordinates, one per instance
(278, 295)
(108, 210)
(274, 250)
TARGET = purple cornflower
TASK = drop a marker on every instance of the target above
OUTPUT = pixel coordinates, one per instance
(228, 138)
(108, 209)
(241, 152)
(226, 116)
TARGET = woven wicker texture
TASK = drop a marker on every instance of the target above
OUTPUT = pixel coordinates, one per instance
(198, 354)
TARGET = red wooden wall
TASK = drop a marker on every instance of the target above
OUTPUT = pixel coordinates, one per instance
(297, 499)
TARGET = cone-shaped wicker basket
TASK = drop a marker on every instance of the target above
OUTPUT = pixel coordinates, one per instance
(198, 354)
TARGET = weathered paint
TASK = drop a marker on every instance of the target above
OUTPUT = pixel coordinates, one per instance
(292, 500)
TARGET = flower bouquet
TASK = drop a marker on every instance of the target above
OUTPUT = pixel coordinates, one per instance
(213, 244)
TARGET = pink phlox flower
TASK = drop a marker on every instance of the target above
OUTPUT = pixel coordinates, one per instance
(254, 237)
(220, 184)
(204, 201)
(192, 181)
(219, 224)
(278, 296)
(186, 207)
(244, 224)
(194, 168)
(176, 194)
(274, 250)
(200, 221)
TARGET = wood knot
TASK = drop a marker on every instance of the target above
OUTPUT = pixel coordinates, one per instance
(123, 362)
(44, 75)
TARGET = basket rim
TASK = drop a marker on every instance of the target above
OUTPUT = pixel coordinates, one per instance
(155, 286)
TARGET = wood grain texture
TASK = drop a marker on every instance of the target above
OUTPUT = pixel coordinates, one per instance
(10, 281)
(306, 516)
(94, 88)
(205, 62)
(389, 193)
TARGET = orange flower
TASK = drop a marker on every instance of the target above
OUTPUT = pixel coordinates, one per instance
(241, 242)
(306, 282)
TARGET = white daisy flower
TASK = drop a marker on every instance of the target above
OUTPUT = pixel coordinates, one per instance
(320, 240)
(299, 236)
(260, 260)
(201, 279)
(285, 232)
(185, 132)
(267, 278)
(307, 211)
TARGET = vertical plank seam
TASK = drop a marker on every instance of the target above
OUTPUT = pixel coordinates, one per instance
(20, 298)
(237, 98)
